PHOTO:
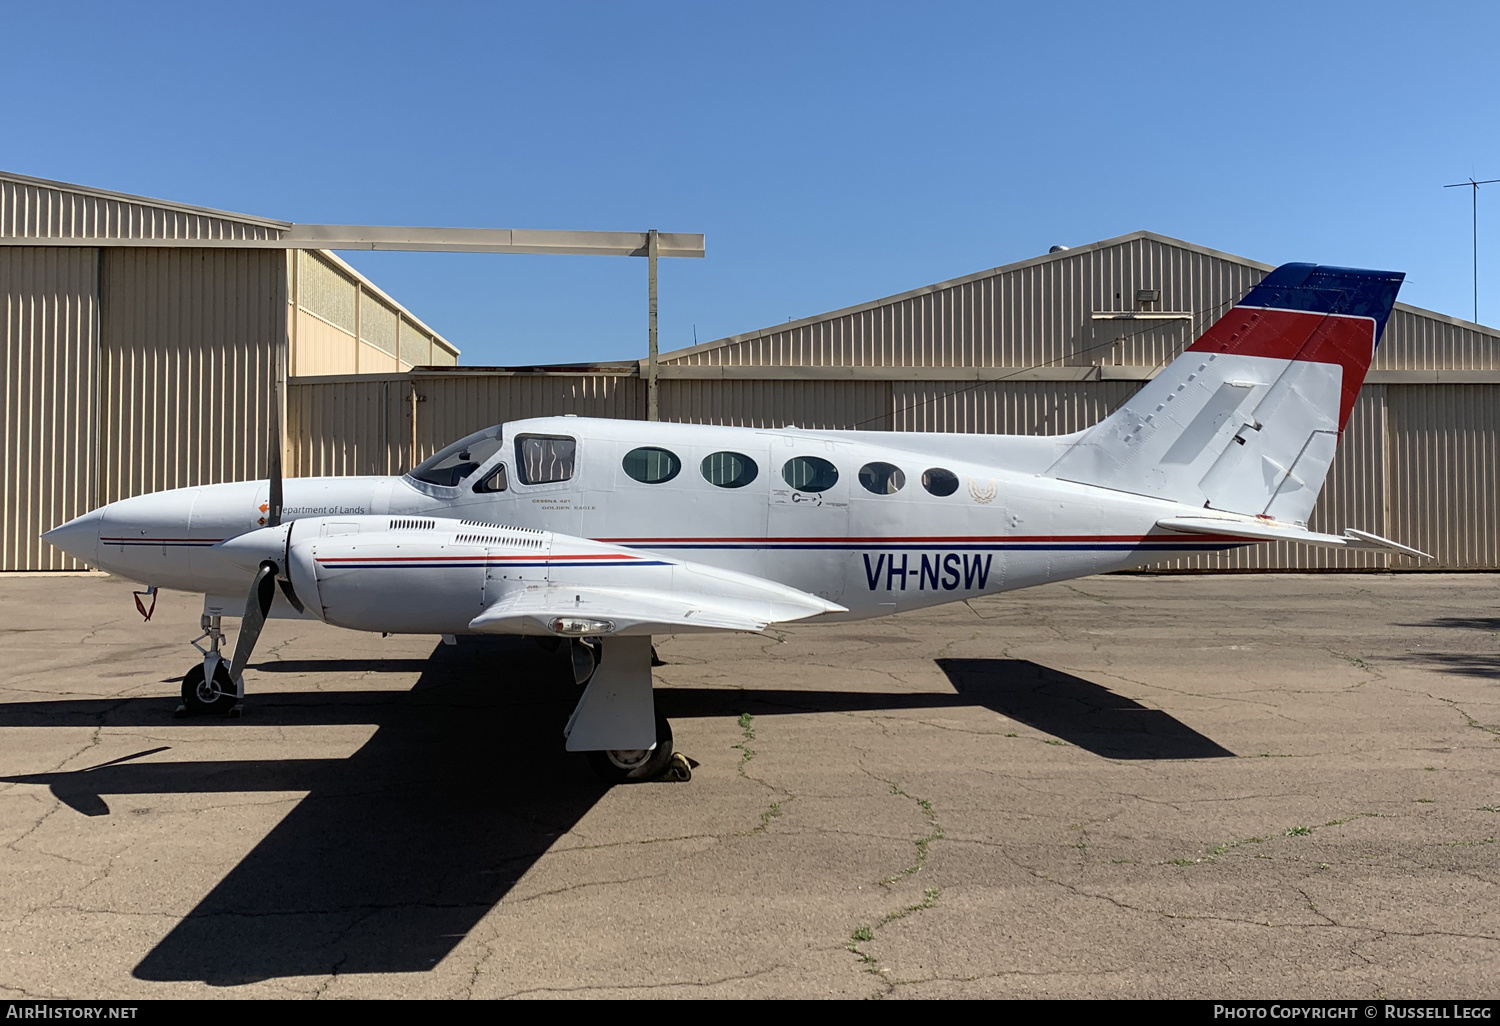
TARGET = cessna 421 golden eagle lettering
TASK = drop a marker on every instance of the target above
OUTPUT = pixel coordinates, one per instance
(606, 532)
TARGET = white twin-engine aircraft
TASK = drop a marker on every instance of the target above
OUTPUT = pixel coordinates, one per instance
(609, 531)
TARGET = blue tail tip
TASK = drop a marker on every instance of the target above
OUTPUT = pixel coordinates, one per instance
(1320, 288)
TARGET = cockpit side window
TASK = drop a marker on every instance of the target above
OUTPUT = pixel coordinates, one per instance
(494, 481)
(545, 459)
(448, 467)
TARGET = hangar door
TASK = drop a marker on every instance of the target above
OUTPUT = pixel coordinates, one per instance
(49, 301)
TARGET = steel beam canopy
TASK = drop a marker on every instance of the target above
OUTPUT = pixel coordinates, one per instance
(489, 240)
(420, 240)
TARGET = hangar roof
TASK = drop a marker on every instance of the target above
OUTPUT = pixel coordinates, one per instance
(47, 213)
(36, 211)
(1031, 313)
(35, 208)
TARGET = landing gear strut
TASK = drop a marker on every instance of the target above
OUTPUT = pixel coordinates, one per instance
(616, 723)
(216, 687)
(207, 688)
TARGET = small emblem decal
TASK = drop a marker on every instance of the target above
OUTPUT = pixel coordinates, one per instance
(983, 495)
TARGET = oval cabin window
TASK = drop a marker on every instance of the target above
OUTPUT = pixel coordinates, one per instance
(939, 481)
(882, 478)
(810, 474)
(728, 469)
(650, 465)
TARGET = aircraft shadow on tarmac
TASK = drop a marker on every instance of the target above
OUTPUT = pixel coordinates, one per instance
(1077, 711)
(400, 849)
(1466, 664)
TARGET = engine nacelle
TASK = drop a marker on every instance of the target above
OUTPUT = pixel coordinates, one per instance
(409, 575)
(432, 575)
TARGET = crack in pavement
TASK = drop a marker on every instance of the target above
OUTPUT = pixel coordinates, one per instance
(645, 986)
(588, 885)
(930, 895)
(1125, 906)
(478, 970)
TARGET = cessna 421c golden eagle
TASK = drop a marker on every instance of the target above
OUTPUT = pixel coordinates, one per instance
(653, 528)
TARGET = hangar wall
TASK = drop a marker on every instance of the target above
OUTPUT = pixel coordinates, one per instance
(188, 347)
(343, 324)
(363, 425)
(47, 381)
(132, 364)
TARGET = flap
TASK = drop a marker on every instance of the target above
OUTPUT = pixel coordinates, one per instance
(530, 610)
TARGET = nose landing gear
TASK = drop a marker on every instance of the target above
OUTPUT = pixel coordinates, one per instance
(207, 687)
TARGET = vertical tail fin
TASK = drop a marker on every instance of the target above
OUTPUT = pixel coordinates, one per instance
(1247, 418)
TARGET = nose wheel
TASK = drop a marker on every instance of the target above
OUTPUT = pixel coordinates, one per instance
(204, 695)
(208, 687)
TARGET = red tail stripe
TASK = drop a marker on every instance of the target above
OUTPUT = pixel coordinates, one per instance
(1346, 341)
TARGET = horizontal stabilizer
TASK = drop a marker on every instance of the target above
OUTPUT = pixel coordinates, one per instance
(1377, 542)
(1271, 530)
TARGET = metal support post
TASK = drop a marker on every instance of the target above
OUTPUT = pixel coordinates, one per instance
(414, 398)
(1473, 186)
(651, 248)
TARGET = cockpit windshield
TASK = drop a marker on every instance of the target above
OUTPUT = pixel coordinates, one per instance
(449, 466)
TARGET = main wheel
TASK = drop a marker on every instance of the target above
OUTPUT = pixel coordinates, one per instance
(633, 765)
(204, 697)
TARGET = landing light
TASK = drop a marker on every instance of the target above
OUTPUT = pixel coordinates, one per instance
(578, 627)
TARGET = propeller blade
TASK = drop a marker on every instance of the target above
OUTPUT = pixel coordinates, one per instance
(290, 593)
(257, 605)
(286, 582)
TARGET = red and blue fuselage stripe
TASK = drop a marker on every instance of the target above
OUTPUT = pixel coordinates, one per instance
(438, 562)
(1071, 543)
(169, 542)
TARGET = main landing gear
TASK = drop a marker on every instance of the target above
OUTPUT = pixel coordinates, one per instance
(616, 723)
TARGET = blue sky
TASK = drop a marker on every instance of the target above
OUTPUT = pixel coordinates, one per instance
(832, 153)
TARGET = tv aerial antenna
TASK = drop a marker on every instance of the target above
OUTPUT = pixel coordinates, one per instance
(1474, 187)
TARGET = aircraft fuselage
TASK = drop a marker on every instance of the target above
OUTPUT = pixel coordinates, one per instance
(958, 516)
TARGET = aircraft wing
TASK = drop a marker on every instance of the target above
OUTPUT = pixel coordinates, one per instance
(1271, 530)
(534, 609)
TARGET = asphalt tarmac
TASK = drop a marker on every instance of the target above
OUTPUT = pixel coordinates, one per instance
(1213, 787)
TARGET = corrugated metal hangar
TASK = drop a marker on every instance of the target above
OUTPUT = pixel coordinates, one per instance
(143, 341)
